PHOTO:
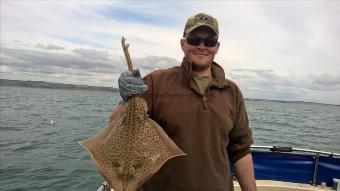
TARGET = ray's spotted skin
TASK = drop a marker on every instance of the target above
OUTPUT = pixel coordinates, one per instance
(133, 147)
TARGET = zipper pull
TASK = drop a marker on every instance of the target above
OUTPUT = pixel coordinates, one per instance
(204, 99)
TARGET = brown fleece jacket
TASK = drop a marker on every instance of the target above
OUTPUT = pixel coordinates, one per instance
(211, 128)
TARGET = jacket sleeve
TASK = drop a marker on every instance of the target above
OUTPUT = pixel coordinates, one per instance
(240, 137)
(148, 95)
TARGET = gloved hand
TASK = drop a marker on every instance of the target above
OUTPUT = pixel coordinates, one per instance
(131, 83)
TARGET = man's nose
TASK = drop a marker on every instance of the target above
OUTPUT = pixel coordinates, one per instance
(201, 45)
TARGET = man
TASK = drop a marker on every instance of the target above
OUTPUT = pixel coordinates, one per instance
(201, 111)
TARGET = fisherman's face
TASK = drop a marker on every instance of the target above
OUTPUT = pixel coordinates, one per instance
(201, 56)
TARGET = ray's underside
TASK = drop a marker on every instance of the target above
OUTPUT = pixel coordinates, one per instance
(132, 148)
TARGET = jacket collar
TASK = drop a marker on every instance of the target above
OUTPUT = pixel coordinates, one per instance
(217, 72)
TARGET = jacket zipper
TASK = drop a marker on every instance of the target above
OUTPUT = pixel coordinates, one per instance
(204, 97)
(205, 103)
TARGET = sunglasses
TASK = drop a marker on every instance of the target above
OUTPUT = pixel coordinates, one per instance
(195, 40)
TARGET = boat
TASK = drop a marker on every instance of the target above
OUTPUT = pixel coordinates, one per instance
(279, 168)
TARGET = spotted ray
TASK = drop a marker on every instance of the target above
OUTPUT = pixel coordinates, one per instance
(133, 147)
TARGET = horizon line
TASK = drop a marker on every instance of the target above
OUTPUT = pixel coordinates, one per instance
(117, 89)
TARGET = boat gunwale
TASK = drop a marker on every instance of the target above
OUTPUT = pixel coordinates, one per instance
(292, 149)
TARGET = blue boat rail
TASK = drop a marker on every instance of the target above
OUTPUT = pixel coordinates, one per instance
(295, 165)
(291, 149)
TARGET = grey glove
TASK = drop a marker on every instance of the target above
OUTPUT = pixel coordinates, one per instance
(131, 83)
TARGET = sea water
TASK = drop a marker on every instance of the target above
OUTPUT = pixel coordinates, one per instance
(40, 129)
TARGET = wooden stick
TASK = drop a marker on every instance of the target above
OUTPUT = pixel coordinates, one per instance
(126, 53)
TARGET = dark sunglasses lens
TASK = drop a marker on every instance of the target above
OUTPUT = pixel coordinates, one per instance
(194, 41)
(210, 42)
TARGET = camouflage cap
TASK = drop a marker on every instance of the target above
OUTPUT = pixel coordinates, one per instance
(201, 19)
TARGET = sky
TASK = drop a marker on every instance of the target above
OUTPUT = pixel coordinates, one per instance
(276, 50)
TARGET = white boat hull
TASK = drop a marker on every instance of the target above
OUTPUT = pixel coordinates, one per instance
(270, 185)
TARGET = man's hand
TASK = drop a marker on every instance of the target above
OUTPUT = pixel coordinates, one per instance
(131, 83)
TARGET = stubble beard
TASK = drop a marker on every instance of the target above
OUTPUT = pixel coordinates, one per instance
(200, 67)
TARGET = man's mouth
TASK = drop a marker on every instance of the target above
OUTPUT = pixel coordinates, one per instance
(200, 54)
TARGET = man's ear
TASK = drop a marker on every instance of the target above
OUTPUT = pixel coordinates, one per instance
(182, 43)
(217, 46)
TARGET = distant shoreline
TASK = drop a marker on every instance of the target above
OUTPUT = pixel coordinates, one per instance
(51, 85)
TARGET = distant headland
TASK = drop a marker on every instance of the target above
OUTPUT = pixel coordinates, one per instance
(42, 84)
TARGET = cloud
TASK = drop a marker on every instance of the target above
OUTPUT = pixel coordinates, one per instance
(83, 25)
(266, 84)
(81, 40)
(155, 62)
(324, 82)
(261, 77)
(99, 67)
(128, 15)
(49, 46)
(269, 78)
(76, 64)
(92, 54)
(274, 50)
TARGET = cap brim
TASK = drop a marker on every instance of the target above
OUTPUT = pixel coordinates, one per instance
(200, 25)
